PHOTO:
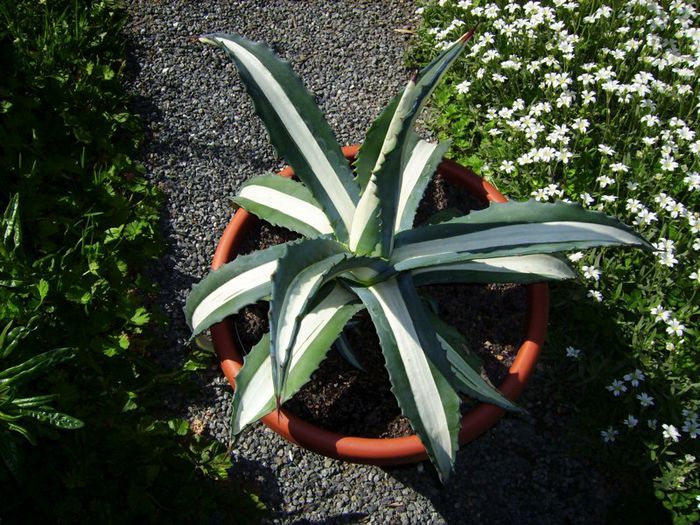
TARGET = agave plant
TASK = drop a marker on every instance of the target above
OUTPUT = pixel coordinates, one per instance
(361, 251)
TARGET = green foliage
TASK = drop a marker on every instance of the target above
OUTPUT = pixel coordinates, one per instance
(80, 224)
(621, 122)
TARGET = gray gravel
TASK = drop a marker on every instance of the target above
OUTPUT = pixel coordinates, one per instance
(203, 141)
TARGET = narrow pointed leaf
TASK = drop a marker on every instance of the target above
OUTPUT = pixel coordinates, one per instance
(423, 160)
(34, 366)
(523, 269)
(284, 202)
(255, 393)
(409, 344)
(372, 144)
(511, 228)
(343, 347)
(225, 291)
(467, 368)
(53, 418)
(296, 126)
(11, 227)
(11, 453)
(375, 217)
(300, 274)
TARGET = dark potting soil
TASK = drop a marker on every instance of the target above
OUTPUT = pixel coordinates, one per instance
(356, 402)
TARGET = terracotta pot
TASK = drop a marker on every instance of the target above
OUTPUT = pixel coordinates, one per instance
(385, 451)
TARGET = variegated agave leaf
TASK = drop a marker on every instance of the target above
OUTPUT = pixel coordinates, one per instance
(375, 219)
(510, 229)
(296, 126)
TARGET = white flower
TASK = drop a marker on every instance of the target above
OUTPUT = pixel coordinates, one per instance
(666, 245)
(650, 120)
(660, 314)
(507, 166)
(645, 217)
(619, 167)
(696, 244)
(633, 206)
(580, 125)
(587, 199)
(691, 427)
(595, 295)
(667, 259)
(463, 87)
(631, 421)
(576, 256)
(668, 164)
(540, 194)
(650, 141)
(605, 181)
(587, 97)
(591, 272)
(645, 399)
(573, 353)
(606, 150)
(685, 133)
(695, 276)
(635, 377)
(608, 436)
(693, 181)
(674, 326)
(617, 387)
(671, 432)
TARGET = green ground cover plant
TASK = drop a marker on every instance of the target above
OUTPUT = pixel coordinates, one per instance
(83, 436)
(597, 103)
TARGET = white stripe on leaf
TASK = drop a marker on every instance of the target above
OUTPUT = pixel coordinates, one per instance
(411, 173)
(423, 387)
(237, 286)
(290, 205)
(512, 236)
(297, 129)
(259, 392)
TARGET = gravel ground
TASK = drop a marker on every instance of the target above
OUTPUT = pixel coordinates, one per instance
(203, 141)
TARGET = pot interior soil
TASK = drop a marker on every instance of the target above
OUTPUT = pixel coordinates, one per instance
(356, 402)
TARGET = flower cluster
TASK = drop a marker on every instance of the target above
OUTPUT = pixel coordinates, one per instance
(598, 104)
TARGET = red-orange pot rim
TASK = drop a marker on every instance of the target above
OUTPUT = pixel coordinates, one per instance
(385, 451)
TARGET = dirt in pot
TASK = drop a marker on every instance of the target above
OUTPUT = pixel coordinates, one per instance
(356, 402)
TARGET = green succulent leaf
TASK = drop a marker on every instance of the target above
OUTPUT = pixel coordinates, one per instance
(372, 144)
(417, 366)
(375, 218)
(303, 269)
(467, 367)
(422, 161)
(344, 348)
(296, 126)
(225, 291)
(284, 202)
(255, 393)
(508, 229)
(522, 269)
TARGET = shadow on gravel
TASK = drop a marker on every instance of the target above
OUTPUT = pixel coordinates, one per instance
(263, 481)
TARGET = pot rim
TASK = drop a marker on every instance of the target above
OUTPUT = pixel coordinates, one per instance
(385, 451)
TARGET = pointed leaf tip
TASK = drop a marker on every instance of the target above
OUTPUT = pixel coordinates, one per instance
(468, 35)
